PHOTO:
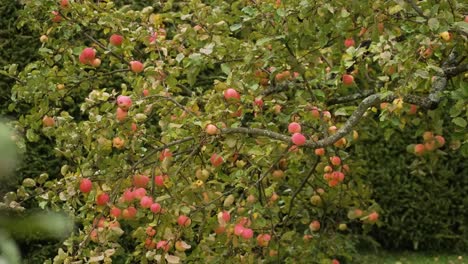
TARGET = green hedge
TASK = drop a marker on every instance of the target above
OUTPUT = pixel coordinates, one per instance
(423, 199)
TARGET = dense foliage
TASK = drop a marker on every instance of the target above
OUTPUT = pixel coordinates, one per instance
(223, 131)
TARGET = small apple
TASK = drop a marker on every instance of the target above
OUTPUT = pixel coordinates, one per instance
(335, 160)
(211, 129)
(129, 213)
(43, 38)
(298, 139)
(342, 227)
(96, 62)
(277, 174)
(118, 143)
(428, 135)
(349, 42)
(164, 245)
(124, 102)
(263, 240)
(48, 121)
(159, 180)
(140, 181)
(150, 231)
(121, 114)
(347, 79)
(258, 102)
(373, 217)
(128, 196)
(155, 208)
(57, 18)
(184, 221)
(294, 128)
(146, 92)
(146, 202)
(60, 86)
(86, 185)
(440, 140)
(115, 212)
(216, 160)
(136, 66)
(316, 200)
(231, 95)
(64, 3)
(446, 36)
(102, 199)
(314, 226)
(247, 233)
(139, 193)
(116, 40)
(87, 55)
(315, 112)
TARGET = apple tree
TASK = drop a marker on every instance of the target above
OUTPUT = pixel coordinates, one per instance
(220, 131)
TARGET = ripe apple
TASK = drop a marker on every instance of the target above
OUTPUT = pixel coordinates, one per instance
(466, 19)
(335, 261)
(211, 129)
(314, 226)
(116, 39)
(326, 115)
(263, 240)
(136, 66)
(146, 202)
(60, 86)
(128, 196)
(121, 114)
(327, 169)
(150, 231)
(347, 79)
(118, 143)
(413, 109)
(316, 200)
(335, 160)
(48, 121)
(231, 95)
(102, 199)
(277, 174)
(159, 180)
(184, 221)
(86, 185)
(87, 55)
(373, 217)
(64, 3)
(224, 217)
(315, 112)
(430, 145)
(139, 193)
(124, 102)
(164, 245)
(349, 42)
(57, 18)
(216, 160)
(115, 212)
(96, 62)
(155, 208)
(445, 36)
(129, 213)
(440, 140)
(43, 38)
(298, 139)
(294, 128)
(247, 233)
(258, 102)
(140, 181)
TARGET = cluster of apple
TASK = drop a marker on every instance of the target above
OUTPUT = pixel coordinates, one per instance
(430, 143)
(104, 228)
(370, 217)
(88, 57)
(334, 173)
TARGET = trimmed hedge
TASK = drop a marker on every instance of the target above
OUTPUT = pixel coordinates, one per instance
(424, 200)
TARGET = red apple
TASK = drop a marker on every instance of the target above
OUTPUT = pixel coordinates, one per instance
(48, 121)
(349, 42)
(121, 114)
(146, 202)
(335, 261)
(315, 112)
(373, 217)
(64, 3)
(128, 195)
(231, 95)
(57, 18)
(116, 39)
(211, 129)
(166, 153)
(155, 208)
(298, 139)
(124, 102)
(247, 233)
(440, 140)
(96, 62)
(348, 79)
(184, 221)
(263, 240)
(335, 160)
(102, 199)
(164, 245)
(136, 66)
(129, 213)
(87, 55)
(86, 185)
(294, 128)
(216, 160)
(118, 143)
(146, 92)
(115, 212)
(159, 180)
(258, 102)
(140, 180)
(139, 193)
(320, 151)
(314, 226)
(413, 109)
(150, 231)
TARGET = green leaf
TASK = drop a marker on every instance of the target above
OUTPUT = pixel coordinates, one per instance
(459, 122)
(235, 27)
(433, 24)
